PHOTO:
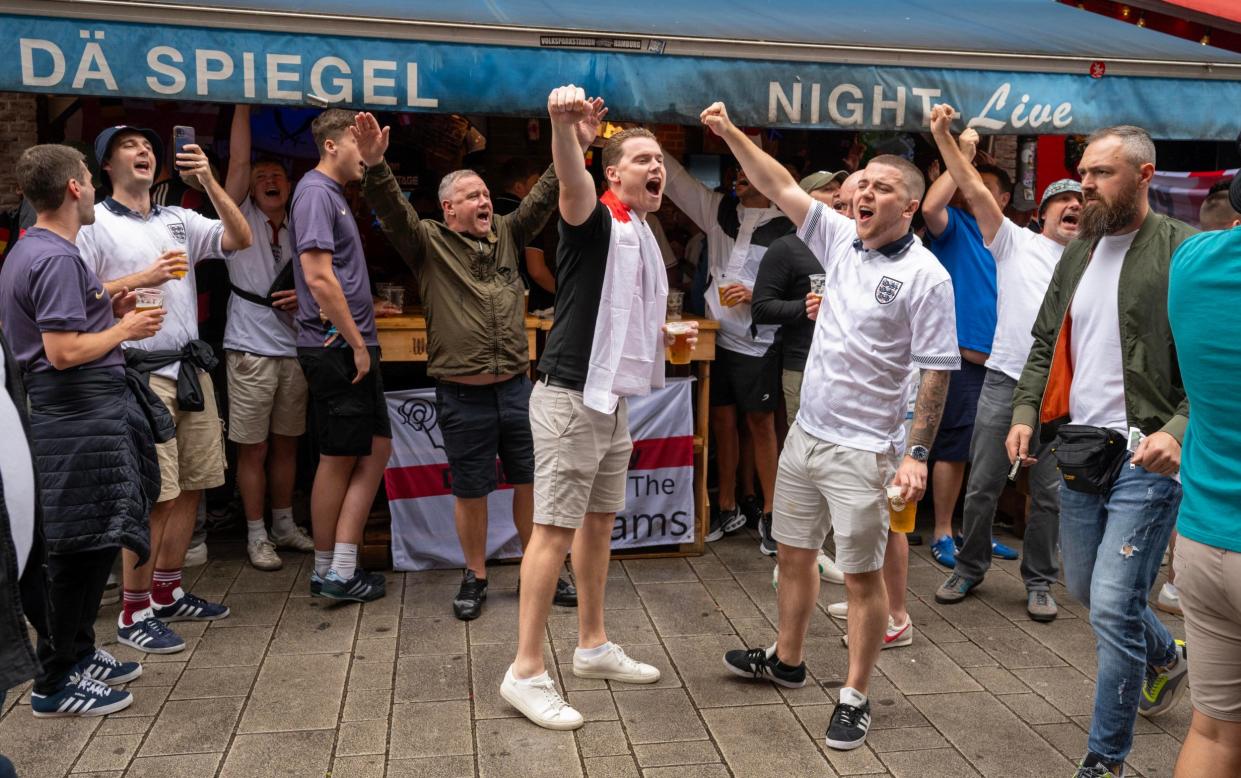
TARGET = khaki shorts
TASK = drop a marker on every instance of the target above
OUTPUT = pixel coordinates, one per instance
(265, 395)
(791, 381)
(581, 457)
(1209, 581)
(822, 486)
(194, 459)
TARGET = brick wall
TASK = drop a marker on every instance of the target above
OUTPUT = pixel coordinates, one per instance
(18, 132)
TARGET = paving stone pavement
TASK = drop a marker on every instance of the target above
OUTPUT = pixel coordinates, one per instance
(294, 686)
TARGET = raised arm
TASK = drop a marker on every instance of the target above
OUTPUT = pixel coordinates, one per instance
(397, 217)
(693, 197)
(539, 205)
(958, 159)
(567, 106)
(237, 180)
(769, 176)
(193, 162)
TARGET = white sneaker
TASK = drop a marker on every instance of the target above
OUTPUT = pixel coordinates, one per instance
(538, 700)
(614, 665)
(196, 556)
(893, 636)
(828, 571)
(1169, 600)
(296, 540)
(838, 610)
(263, 555)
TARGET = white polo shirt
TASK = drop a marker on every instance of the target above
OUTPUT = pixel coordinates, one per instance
(1024, 262)
(259, 329)
(884, 313)
(122, 242)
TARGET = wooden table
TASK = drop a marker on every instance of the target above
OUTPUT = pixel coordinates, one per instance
(404, 339)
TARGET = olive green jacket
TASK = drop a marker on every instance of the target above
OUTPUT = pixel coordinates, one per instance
(470, 287)
(1154, 395)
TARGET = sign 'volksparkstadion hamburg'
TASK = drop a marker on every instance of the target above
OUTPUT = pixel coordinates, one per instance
(66, 56)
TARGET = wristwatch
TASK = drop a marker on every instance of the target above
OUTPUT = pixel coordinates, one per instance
(919, 453)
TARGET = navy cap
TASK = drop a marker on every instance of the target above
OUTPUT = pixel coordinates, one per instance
(103, 144)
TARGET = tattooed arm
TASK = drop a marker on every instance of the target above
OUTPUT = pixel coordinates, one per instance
(928, 409)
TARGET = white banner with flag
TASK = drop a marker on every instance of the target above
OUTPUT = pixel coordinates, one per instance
(1180, 195)
(659, 508)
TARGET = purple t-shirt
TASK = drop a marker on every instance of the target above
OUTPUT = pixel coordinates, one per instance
(320, 218)
(45, 287)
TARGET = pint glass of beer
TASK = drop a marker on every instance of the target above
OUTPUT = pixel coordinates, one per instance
(680, 350)
(179, 253)
(723, 283)
(149, 299)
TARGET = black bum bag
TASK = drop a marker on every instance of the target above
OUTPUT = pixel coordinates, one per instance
(1089, 458)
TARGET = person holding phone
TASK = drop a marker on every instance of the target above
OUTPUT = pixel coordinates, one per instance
(133, 243)
(266, 388)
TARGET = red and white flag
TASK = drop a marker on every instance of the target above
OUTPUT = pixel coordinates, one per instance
(1180, 194)
(659, 506)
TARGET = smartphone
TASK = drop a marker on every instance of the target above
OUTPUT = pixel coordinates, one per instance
(182, 136)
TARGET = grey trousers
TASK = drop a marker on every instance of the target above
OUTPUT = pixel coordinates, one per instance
(989, 468)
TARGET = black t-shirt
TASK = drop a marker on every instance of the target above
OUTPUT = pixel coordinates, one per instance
(780, 296)
(581, 261)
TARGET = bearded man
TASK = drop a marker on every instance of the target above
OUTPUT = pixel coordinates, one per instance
(1102, 378)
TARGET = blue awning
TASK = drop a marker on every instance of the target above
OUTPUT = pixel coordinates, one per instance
(1021, 66)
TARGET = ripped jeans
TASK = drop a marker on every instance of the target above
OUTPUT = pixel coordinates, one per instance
(1111, 545)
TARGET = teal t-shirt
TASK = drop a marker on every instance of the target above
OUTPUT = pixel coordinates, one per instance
(1204, 308)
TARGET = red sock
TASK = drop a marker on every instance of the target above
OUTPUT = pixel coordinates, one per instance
(163, 583)
(134, 601)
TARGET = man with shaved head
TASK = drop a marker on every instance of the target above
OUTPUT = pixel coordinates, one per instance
(887, 307)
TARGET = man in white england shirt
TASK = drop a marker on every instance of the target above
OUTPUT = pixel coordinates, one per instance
(887, 306)
(1024, 261)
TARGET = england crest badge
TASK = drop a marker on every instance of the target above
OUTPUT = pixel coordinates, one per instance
(177, 231)
(887, 290)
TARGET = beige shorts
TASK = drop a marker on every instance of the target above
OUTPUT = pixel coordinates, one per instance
(194, 459)
(265, 395)
(1209, 581)
(581, 457)
(791, 382)
(823, 486)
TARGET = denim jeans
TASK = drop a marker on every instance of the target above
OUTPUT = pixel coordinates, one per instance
(1112, 545)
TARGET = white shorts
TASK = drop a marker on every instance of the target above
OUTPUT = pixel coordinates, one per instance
(822, 486)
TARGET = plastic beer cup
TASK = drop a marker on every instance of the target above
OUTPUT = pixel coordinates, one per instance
(149, 299)
(680, 350)
(901, 514)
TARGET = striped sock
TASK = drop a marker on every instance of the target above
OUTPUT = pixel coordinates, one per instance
(345, 560)
(133, 601)
(163, 585)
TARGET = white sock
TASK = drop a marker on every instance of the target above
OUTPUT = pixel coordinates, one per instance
(592, 653)
(255, 530)
(345, 560)
(282, 522)
(531, 680)
(323, 562)
(850, 696)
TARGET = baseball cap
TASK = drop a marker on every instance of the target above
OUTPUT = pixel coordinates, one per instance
(103, 144)
(1059, 187)
(820, 179)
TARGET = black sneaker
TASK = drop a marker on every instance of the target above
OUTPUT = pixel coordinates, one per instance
(566, 594)
(716, 530)
(766, 543)
(468, 603)
(1093, 766)
(760, 663)
(847, 729)
(752, 507)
